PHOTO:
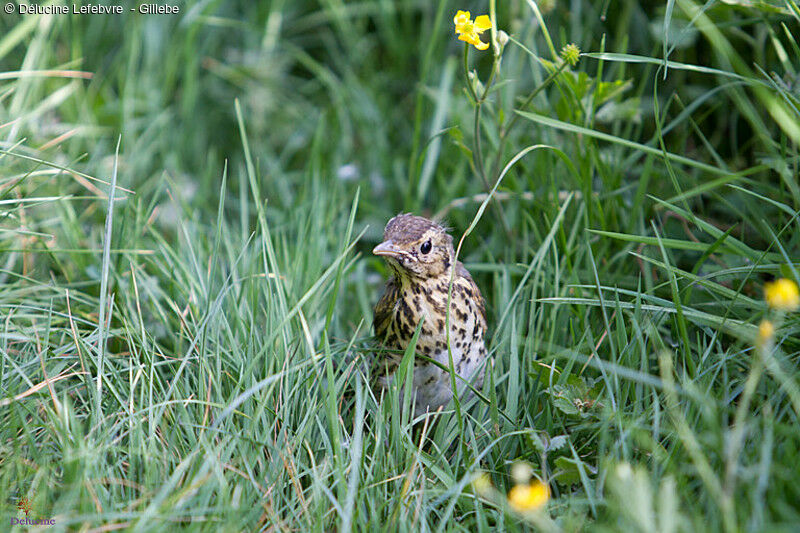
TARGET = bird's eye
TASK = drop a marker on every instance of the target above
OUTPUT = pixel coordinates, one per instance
(426, 247)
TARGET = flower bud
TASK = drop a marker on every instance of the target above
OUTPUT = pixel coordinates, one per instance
(502, 38)
(571, 54)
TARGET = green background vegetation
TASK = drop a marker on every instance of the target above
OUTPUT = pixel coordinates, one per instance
(226, 305)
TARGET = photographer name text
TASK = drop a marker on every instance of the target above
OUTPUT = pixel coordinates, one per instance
(89, 9)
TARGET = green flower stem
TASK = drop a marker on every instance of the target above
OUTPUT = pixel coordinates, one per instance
(738, 430)
(513, 119)
(478, 104)
(506, 128)
(477, 154)
(466, 74)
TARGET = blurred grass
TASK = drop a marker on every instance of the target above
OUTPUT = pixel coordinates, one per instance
(263, 147)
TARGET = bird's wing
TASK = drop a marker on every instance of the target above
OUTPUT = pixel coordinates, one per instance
(465, 280)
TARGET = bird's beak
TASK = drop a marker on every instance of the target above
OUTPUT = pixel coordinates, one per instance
(387, 248)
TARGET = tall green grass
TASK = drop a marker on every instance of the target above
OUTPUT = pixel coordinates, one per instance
(185, 320)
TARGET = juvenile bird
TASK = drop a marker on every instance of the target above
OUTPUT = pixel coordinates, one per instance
(420, 254)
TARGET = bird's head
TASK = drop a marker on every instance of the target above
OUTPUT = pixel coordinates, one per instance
(416, 248)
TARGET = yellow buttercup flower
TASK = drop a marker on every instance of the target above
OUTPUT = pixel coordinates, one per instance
(528, 497)
(782, 294)
(469, 30)
(765, 332)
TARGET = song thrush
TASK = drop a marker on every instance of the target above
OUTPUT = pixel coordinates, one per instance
(420, 254)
